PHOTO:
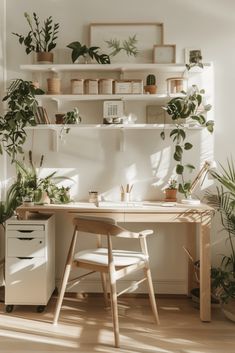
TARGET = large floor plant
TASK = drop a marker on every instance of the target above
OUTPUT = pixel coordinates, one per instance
(224, 202)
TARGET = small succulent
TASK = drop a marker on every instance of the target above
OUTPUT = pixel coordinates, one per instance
(172, 184)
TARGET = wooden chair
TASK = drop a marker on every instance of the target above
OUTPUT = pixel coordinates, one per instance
(114, 263)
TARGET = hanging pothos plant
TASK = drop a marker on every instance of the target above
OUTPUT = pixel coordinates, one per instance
(187, 105)
(22, 106)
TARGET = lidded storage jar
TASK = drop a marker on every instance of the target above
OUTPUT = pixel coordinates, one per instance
(91, 86)
(106, 86)
(77, 86)
(176, 85)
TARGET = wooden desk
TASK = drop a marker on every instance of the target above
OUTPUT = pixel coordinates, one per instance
(155, 213)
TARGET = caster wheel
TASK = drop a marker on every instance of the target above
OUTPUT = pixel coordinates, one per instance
(9, 308)
(40, 308)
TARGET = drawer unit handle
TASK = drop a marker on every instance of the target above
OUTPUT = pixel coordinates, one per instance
(24, 258)
(25, 238)
(25, 231)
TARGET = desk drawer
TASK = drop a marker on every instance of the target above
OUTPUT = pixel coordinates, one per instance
(119, 217)
(153, 217)
(26, 247)
(25, 233)
(26, 227)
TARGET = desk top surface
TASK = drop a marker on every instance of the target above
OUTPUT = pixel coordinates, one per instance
(122, 207)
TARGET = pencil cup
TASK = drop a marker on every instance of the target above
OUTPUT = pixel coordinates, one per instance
(125, 196)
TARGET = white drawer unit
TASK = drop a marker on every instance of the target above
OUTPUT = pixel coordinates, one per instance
(30, 261)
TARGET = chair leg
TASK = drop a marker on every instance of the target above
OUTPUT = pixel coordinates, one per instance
(151, 293)
(104, 286)
(67, 270)
(114, 307)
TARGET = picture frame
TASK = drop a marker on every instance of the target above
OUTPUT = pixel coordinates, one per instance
(193, 55)
(164, 54)
(147, 35)
(113, 109)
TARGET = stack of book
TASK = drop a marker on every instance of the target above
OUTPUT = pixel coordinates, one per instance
(41, 116)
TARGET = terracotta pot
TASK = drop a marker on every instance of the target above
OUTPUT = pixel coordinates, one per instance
(59, 118)
(44, 57)
(151, 89)
(53, 85)
(170, 195)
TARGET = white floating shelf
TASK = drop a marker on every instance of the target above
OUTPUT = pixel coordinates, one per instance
(111, 126)
(101, 97)
(121, 67)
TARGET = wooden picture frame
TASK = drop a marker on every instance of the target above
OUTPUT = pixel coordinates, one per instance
(147, 34)
(164, 54)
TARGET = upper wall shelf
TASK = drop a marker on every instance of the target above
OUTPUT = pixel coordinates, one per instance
(98, 97)
(121, 67)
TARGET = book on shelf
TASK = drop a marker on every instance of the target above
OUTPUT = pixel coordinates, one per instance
(41, 116)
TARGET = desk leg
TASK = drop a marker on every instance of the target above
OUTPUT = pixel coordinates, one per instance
(191, 247)
(205, 267)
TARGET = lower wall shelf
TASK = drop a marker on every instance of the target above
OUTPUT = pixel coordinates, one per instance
(112, 126)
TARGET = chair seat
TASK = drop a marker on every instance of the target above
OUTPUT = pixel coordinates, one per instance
(99, 256)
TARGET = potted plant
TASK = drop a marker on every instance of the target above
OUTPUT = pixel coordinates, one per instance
(71, 117)
(171, 191)
(224, 202)
(40, 39)
(79, 50)
(22, 107)
(187, 105)
(29, 186)
(150, 87)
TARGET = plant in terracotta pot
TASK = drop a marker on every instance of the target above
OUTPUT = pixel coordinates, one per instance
(41, 39)
(150, 87)
(171, 191)
(71, 117)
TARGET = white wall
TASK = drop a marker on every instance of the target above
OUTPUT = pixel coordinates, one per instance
(93, 158)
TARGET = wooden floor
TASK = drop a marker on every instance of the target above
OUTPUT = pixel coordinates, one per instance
(85, 326)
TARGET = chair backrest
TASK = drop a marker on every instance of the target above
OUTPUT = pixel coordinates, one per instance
(102, 226)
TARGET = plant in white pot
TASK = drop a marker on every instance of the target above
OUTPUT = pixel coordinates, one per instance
(41, 39)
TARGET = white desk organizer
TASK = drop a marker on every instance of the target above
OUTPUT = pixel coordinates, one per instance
(30, 261)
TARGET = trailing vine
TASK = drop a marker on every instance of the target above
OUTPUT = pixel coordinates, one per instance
(187, 105)
(22, 106)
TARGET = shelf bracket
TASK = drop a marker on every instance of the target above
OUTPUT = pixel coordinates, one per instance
(55, 140)
(122, 140)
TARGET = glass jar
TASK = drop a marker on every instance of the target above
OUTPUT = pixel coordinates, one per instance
(176, 85)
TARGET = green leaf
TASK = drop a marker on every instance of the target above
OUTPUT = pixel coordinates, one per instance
(210, 125)
(190, 167)
(188, 146)
(163, 135)
(207, 107)
(174, 132)
(182, 134)
(179, 169)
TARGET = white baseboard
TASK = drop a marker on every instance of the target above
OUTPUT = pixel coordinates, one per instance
(176, 286)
